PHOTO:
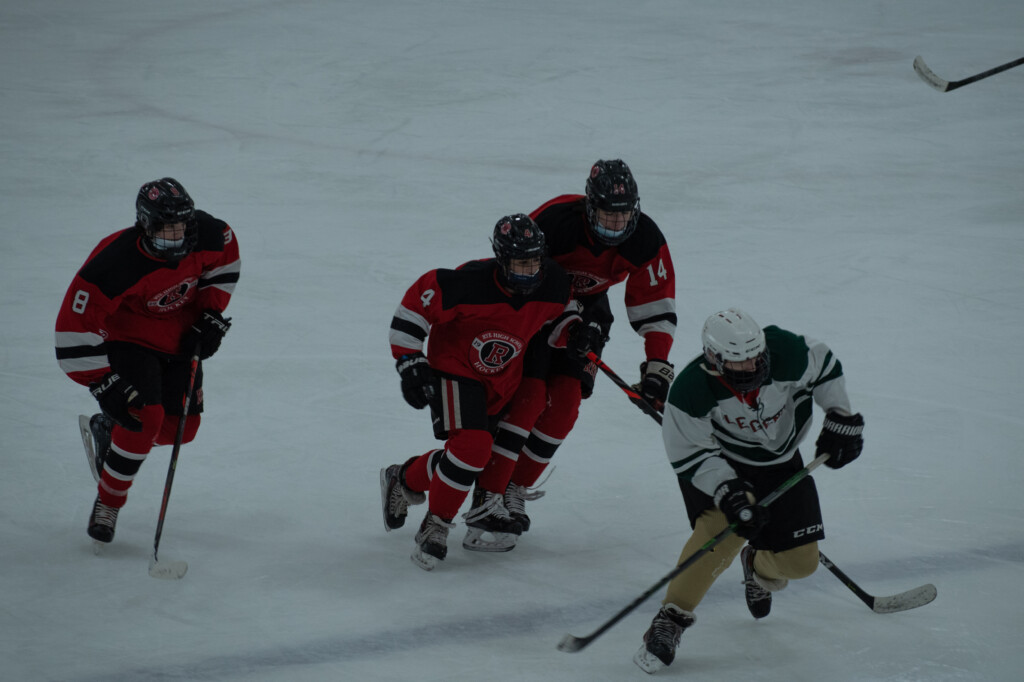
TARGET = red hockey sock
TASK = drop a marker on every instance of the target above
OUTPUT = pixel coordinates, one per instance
(528, 471)
(496, 475)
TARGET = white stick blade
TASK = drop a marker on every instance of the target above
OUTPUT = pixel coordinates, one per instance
(167, 570)
(911, 599)
(570, 644)
(928, 76)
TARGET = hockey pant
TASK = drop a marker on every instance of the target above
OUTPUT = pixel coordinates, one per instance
(688, 588)
(161, 381)
(448, 474)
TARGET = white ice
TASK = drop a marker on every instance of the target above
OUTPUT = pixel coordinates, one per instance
(797, 165)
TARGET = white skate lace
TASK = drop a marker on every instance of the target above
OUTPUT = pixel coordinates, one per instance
(435, 531)
(516, 497)
(493, 505)
(666, 631)
(103, 515)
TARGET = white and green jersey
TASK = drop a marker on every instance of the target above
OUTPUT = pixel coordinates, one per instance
(706, 426)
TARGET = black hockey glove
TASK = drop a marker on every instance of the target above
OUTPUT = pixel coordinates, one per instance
(655, 379)
(418, 383)
(841, 438)
(736, 500)
(583, 338)
(208, 331)
(118, 399)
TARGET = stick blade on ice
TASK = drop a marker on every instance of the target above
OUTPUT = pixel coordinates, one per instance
(928, 76)
(911, 599)
(571, 644)
(167, 570)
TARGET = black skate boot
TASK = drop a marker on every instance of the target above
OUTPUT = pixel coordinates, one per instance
(100, 426)
(395, 496)
(102, 521)
(488, 515)
(662, 638)
(431, 542)
(516, 497)
(758, 590)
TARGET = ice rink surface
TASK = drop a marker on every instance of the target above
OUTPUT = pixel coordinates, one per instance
(799, 169)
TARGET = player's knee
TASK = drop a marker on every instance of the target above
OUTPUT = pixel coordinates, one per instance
(798, 562)
(139, 442)
(471, 447)
(168, 430)
(563, 401)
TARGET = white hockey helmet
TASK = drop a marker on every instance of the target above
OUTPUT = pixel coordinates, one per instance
(733, 336)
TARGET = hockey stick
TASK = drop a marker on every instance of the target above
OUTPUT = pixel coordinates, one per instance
(174, 570)
(634, 397)
(911, 599)
(572, 644)
(942, 85)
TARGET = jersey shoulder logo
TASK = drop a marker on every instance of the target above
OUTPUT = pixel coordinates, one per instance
(173, 297)
(491, 352)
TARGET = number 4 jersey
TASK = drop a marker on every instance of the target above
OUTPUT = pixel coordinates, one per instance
(476, 329)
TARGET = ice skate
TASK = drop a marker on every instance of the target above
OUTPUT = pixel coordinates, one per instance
(758, 589)
(395, 496)
(102, 522)
(516, 497)
(95, 432)
(431, 542)
(662, 638)
(490, 527)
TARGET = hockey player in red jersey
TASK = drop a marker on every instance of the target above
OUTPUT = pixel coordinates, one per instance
(480, 319)
(146, 298)
(601, 238)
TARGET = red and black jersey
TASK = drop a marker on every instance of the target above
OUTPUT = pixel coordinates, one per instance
(122, 293)
(476, 328)
(643, 261)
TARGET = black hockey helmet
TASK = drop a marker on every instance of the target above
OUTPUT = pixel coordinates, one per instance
(517, 238)
(611, 188)
(163, 202)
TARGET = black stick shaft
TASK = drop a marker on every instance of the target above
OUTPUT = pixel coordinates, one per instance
(846, 580)
(573, 644)
(178, 438)
(985, 74)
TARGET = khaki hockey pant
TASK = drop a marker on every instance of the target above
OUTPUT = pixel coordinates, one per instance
(689, 587)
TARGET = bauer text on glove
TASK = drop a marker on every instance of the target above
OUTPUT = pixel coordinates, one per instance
(418, 382)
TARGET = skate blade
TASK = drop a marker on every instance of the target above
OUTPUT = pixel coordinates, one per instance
(90, 452)
(647, 661)
(476, 541)
(425, 561)
(399, 521)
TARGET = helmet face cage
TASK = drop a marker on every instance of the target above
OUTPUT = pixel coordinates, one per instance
(517, 237)
(163, 202)
(744, 381)
(733, 336)
(611, 188)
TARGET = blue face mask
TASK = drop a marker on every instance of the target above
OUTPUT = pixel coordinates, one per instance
(168, 244)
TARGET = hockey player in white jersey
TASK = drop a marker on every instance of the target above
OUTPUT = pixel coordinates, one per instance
(734, 418)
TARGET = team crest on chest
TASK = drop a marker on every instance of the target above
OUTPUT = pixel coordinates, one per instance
(584, 282)
(492, 351)
(173, 297)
